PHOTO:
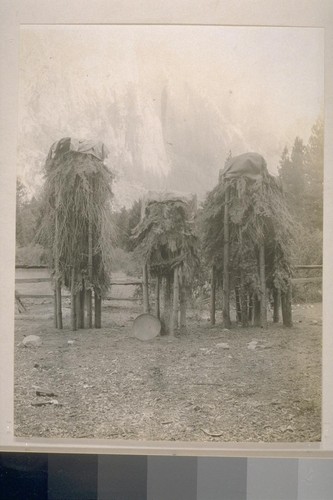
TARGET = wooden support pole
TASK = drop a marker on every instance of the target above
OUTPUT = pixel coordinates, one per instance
(182, 300)
(175, 303)
(55, 308)
(244, 307)
(286, 307)
(82, 296)
(276, 305)
(78, 309)
(90, 275)
(213, 297)
(58, 307)
(145, 289)
(98, 308)
(251, 306)
(226, 256)
(58, 302)
(256, 316)
(165, 316)
(157, 297)
(263, 308)
(238, 305)
(73, 301)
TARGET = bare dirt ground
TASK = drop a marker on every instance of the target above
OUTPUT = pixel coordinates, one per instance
(206, 385)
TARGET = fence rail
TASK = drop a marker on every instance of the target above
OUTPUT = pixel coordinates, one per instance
(45, 280)
(67, 296)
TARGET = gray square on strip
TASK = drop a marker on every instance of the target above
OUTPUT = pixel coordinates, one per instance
(172, 478)
(221, 478)
(122, 477)
(315, 479)
(72, 477)
(272, 479)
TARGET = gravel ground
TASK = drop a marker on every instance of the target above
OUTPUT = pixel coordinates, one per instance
(208, 384)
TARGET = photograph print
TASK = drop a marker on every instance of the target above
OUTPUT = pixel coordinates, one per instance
(169, 231)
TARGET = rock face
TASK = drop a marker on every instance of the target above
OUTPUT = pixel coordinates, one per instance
(32, 341)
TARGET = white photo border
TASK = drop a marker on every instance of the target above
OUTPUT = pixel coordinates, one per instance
(268, 13)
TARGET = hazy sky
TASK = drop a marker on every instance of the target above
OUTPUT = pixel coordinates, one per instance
(264, 84)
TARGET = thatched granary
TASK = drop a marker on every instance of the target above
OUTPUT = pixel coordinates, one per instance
(76, 226)
(166, 244)
(248, 234)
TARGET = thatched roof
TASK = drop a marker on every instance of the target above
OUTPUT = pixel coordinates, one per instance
(188, 199)
(69, 144)
(76, 194)
(165, 236)
(249, 165)
(257, 212)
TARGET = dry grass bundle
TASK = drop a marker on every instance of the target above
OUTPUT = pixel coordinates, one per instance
(258, 213)
(76, 204)
(165, 237)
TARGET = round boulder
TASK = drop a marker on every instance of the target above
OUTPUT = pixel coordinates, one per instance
(32, 341)
(146, 327)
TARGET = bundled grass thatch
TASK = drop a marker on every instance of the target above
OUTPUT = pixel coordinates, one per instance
(258, 219)
(166, 244)
(76, 225)
(165, 238)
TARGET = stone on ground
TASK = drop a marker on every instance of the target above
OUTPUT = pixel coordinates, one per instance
(32, 341)
(146, 327)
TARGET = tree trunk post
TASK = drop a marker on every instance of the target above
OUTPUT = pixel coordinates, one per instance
(263, 308)
(182, 300)
(165, 317)
(73, 301)
(145, 289)
(213, 297)
(256, 315)
(58, 302)
(82, 296)
(175, 303)
(251, 305)
(57, 272)
(78, 309)
(90, 275)
(98, 308)
(238, 305)
(276, 305)
(157, 298)
(286, 307)
(226, 291)
(244, 307)
(55, 308)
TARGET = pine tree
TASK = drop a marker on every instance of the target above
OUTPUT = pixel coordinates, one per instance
(292, 174)
(314, 176)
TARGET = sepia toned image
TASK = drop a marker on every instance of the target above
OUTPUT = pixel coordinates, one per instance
(169, 233)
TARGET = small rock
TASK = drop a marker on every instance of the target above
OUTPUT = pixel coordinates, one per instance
(32, 341)
(223, 345)
(252, 345)
(314, 322)
(48, 394)
(70, 342)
